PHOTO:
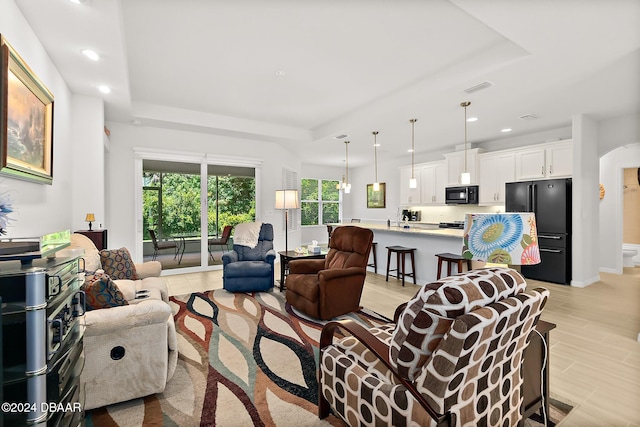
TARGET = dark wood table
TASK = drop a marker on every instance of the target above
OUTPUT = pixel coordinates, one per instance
(535, 387)
(286, 256)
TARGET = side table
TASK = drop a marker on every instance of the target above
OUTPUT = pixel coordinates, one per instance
(535, 372)
(286, 256)
(98, 237)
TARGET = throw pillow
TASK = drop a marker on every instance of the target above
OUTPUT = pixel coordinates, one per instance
(428, 316)
(102, 292)
(117, 264)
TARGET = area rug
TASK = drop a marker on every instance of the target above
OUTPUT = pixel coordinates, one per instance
(244, 360)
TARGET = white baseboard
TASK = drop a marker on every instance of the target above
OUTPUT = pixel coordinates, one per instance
(609, 270)
(585, 283)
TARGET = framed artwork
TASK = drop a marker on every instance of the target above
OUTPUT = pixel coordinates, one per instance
(26, 120)
(376, 199)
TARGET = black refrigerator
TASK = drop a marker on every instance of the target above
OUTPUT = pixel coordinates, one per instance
(550, 200)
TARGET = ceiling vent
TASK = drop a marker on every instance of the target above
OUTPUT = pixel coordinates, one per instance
(479, 87)
(340, 136)
(528, 117)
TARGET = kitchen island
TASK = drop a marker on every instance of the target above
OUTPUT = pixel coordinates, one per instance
(428, 239)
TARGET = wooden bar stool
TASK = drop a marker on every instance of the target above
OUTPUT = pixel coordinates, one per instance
(374, 249)
(450, 259)
(401, 252)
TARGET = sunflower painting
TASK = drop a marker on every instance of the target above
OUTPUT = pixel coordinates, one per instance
(501, 238)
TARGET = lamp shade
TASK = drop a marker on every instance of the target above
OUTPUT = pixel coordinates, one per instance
(287, 199)
(90, 217)
(501, 238)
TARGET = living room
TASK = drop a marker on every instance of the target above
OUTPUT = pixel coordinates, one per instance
(98, 172)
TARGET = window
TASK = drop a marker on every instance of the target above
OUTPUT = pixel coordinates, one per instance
(320, 201)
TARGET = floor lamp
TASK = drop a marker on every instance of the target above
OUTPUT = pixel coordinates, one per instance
(287, 199)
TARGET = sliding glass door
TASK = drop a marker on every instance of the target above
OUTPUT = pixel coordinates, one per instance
(174, 232)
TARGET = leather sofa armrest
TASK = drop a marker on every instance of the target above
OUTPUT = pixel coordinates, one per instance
(229, 257)
(270, 256)
(148, 269)
(109, 320)
(340, 273)
(306, 266)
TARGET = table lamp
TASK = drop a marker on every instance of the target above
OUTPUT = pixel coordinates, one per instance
(90, 218)
(501, 238)
(287, 199)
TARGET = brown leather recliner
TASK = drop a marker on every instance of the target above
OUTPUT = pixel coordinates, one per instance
(330, 287)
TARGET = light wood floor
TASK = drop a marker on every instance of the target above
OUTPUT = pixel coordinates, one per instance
(595, 355)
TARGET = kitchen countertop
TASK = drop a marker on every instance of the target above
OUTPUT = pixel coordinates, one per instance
(425, 229)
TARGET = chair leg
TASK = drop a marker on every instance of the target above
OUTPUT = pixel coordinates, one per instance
(413, 268)
(375, 261)
(388, 262)
(155, 254)
(439, 268)
(323, 404)
(403, 268)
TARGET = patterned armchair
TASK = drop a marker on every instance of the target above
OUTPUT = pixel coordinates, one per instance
(452, 358)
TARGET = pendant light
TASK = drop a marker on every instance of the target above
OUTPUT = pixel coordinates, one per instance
(345, 184)
(412, 182)
(465, 177)
(376, 184)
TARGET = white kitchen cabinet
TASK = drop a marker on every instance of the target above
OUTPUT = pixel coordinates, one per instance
(494, 170)
(433, 178)
(409, 196)
(554, 160)
(455, 166)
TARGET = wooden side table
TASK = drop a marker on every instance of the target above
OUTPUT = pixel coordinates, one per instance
(535, 386)
(98, 237)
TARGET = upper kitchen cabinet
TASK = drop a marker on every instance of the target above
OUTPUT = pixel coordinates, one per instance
(455, 166)
(494, 170)
(554, 160)
(433, 178)
(409, 196)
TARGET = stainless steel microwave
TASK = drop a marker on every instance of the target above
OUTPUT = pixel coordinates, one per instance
(465, 195)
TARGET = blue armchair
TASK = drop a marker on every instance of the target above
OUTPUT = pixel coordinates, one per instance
(247, 269)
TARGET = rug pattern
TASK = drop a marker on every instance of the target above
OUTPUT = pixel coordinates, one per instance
(243, 360)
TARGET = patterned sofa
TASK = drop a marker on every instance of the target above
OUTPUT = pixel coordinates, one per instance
(453, 357)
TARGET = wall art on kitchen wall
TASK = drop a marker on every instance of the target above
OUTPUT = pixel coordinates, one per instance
(376, 199)
(26, 120)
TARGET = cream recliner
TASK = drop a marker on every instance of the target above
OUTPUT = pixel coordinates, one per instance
(130, 351)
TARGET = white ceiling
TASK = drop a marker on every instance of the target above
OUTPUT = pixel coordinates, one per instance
(350, 67)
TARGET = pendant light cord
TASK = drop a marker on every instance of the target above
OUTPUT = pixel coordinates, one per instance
(375, 153)
(413, 147)
(465, 105)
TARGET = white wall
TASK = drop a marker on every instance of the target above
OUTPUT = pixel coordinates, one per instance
(88, 161)
(611, 170)
(120, 195)
(585, 213)
(41, 208)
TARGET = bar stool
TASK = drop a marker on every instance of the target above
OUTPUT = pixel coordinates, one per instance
(450, 259)
(374, 249)
(401, 252)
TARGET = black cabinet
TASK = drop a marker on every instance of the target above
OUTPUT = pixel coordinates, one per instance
(98, 237)
(42, 352)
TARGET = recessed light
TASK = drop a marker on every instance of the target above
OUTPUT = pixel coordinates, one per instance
(78, 1)
(505, 130)
(472, 119)
(376, 145)
(104, 89)
(91, 54)
(410, 150)
(280, 73)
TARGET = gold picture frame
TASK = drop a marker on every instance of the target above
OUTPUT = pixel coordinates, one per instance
(26, 120)
(376, 199)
